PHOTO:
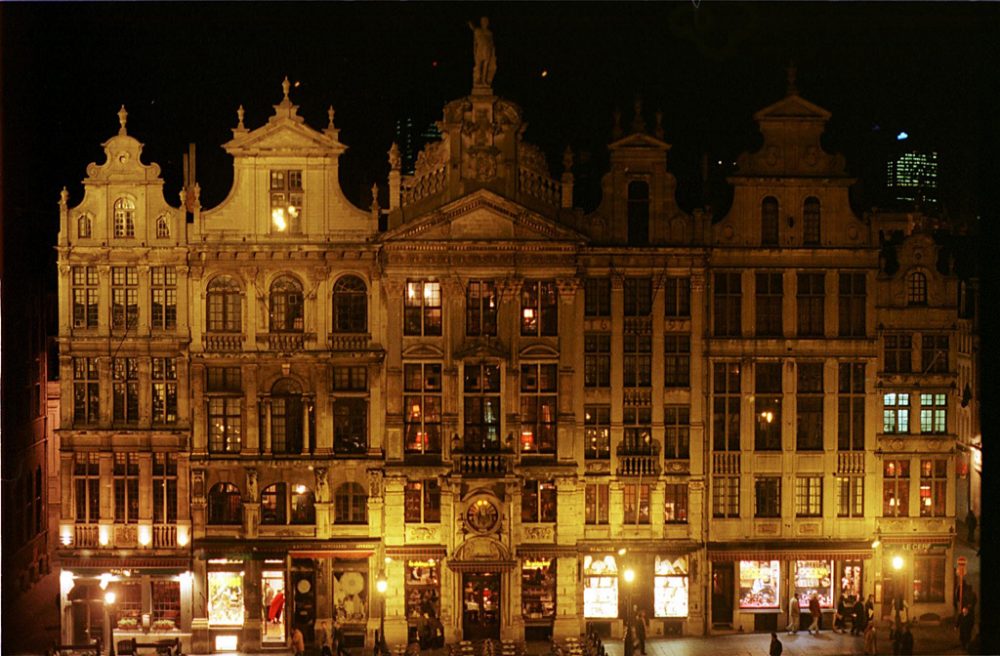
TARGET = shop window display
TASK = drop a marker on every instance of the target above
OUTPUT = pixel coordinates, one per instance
(670, 587)
(600, 591)
(760, 583)
(814, 576)
(225, 599)
(273, 600)
(538, 589)
(350, 596)
(423, 589)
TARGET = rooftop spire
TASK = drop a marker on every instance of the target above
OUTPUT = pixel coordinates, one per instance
(122, 118)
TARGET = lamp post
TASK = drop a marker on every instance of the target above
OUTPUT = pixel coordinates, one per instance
(629, 576)
(381, 585)
(109, 601)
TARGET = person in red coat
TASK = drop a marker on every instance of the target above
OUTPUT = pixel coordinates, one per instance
(277, 605)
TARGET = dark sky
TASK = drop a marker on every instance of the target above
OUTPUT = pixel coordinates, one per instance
(182, 69)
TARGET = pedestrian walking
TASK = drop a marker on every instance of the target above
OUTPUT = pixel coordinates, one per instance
(776, 646)
(966, 622)
(298, 642)
(970, 523)
(839, 624)
(816, 613)
(794, 615)
(901, 614)
(860, 617)
(871, 646)
(870, 610)
(906, 642)
(641, 623)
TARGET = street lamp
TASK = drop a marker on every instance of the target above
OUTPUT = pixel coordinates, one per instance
(897, 562)
(629, 576)
(109, 601)
(381, 585)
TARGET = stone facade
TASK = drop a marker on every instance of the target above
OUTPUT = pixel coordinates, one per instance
(497, 405)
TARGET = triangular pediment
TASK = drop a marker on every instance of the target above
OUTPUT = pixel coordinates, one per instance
(284, 136)
(422, 351)
(639, 140)
(792, 107)
(483, 216)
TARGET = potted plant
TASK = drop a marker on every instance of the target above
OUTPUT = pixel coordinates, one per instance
(164, 625)
(128, 624)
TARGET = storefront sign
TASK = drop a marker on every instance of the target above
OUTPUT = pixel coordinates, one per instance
(814, 576)
(760, 581)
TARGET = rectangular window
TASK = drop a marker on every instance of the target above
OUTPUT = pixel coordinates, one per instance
(286, 201)
(676, 360)
(596, 507)
(676, 432)
(164, 488)
(767, 496)
(126, 485)
(725, 496)
(928, 579)
(810, 296)
(850, 496)
(809, 411)
(727, 299)
(636, 503)
(934, 354)
(163, 297)
(538, 408)
(128, 600)
(851, 406)
(597, 432)
(225, 599)
(225, 416)
(539, 308)
(422, 308)
(768, 304)
(933, 413)
(898, 351)
(933, 488)
(809, 496)
(350, 425)
(164, 390)
(895, 413)
(422, 502)
(767, 407)
(165, 601)
(538, 502)
(125, 385)
(638, 361)
(350, 379)
(86, 391)
(896, 488)
(638, 294)
(638, 438)
(124, 298)
(852, 305)
(677, 302)
(596, 359)
(726, 400)
(85, 289)
(422, 408)
(480, 308)
(675, 508)
(87, 487)
(597, 297)
(481, 386)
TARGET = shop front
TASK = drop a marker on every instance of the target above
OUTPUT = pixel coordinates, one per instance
(538, 597)
(751, 589)
(918, 570)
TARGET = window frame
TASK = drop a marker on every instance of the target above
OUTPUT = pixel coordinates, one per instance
(676, 360)
(727, 399)
(677, 297)
(86, 391)
(350, 305)
(224, 499)
(123, 212)
(86, 487)
(896, 413)
(163, 297)
(479, 394)
(851, 401)
(809, 496)
(224, 392)
(351, 500)
(810, 416)
(933, 413)
(596, 359)
(897, 353)
(896, 488)
(125, 478)
(125, 390)
(767, 497)
(768, 296)
(85, 285)
(768, 402)
(286, 305)
(677, 513)
(539, 308)
(124, 298)
(850, 495)
(596, 504)
(640, 513)
(677, 432)
(852, 299)
(481, 306)
(597, 297)
(770, 211)
(533, 399)
(426, 395)
(423, 308)
(916, 288)
(933, 478)
(539, 502)
(810, 302)
(725, 496)
(427, 493)
(223, 305)
(727, 301)
(163, 390)
(811, 222)
(164, 477)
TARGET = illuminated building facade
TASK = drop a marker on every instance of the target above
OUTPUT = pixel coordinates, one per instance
(913, 176)
(499, 404)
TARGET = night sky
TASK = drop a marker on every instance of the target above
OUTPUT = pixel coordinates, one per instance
(182, 69)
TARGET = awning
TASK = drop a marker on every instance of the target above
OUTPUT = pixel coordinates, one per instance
(80, 564)
(639, 546)
(482, 565)
(273, 548)
(417, 551)
(736, 551)
(544, 551)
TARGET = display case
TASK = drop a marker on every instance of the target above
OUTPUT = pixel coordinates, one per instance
(538, 591)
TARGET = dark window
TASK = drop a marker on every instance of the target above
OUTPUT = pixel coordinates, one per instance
(83, 226)
(769, 221)
(538, 408)
(303, 505)
(896, 488)
(851, 407)
(225, 505)
(767, 407)
(164, 488)
(85, 294)
(422, 502)
(726, 406)
(597, 359)
(678, 297)
(916, 293)
(286, 306)
(726, 301)
(597, 297)
(638, 297)
(852, 310)
(809, 410)
(480, 308)
(87, 480)
(767, 495)
(125, 385)
(768, 304)
(351, 504)
(274, 505)
(163, 297)
(124, 298)
(225, 303)
(288, 427)
(596, 506)
(636, 503)
(810, 296)
(350, 426)
(350, 379)
(538, 502)
(422, 308)
(677, 432)
(638, 436)
(481, 387)
(675, 506)
(539, 308)
(597, 432)
(638, 360)
(350, 305)
(638, 213)
(811, 222)
(422, 408)
(86, 391)
(725, 496)
(677, 360)
(928, 579)
(934, 354)
(898, 353)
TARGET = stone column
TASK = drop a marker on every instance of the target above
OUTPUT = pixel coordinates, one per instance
(145, 301)
(251, 419)
(392, 324)
(199, 411)
(700, 378)
(569, 348)
(617, 372)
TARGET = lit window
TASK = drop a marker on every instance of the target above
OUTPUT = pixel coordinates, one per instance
(164, 392)
(895, 413)
(481, 388)
(933, 488)
(675, 506)
(163, 292)
(538, 408)
(83, 226)
(933, 413)
(538, 502)
(124, 218)
(539, 308)
(896, 488)
(422, 308)
(597, 432)
(422, 502)
(286, 202)
(422, 408)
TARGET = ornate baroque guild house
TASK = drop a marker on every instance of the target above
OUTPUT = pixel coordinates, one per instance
(498, 405)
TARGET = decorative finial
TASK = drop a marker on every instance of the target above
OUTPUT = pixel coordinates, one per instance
(122, 118)
(659, 124)
(285, 86)
(791, 72)
(375, 208)
(616, 130)
(568, 159)
(394, 160)
(239, 115)
(329, 115)
(63, 197)
(638, 124)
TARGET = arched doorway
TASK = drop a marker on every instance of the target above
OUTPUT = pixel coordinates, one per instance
(86, 613)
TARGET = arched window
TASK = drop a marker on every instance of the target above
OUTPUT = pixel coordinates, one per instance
(273, 505)
(350, 305)
(225, 305)
(83, 227)
(224, 504)
(124, 218)
(287, 425)
(286, 305)
(638, 213)
(769, 221)
(278, 507)
(917, 292)
(162, 228)
(351, 504)
(303, 505)
(810, 222)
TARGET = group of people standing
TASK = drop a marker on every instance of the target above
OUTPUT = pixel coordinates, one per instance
(863, 613)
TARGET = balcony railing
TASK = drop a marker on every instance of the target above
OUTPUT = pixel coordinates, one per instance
(284, 342)
(851, 462)
(641, 459)
(483, 464)
(164, 536)
(222, 342)
(349, 341)
(726, 462)
(86, 535)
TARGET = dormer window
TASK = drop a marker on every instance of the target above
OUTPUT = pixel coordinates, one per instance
(769, 221)
(638, 213)
(917, 293)
(162, 228)
(286, 202)
(124, 218)
(83, 227)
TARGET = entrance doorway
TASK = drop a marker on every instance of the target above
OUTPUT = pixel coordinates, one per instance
(87, 613)
(481, 606)
(273, 585)
(722, 593)
(304, 595)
